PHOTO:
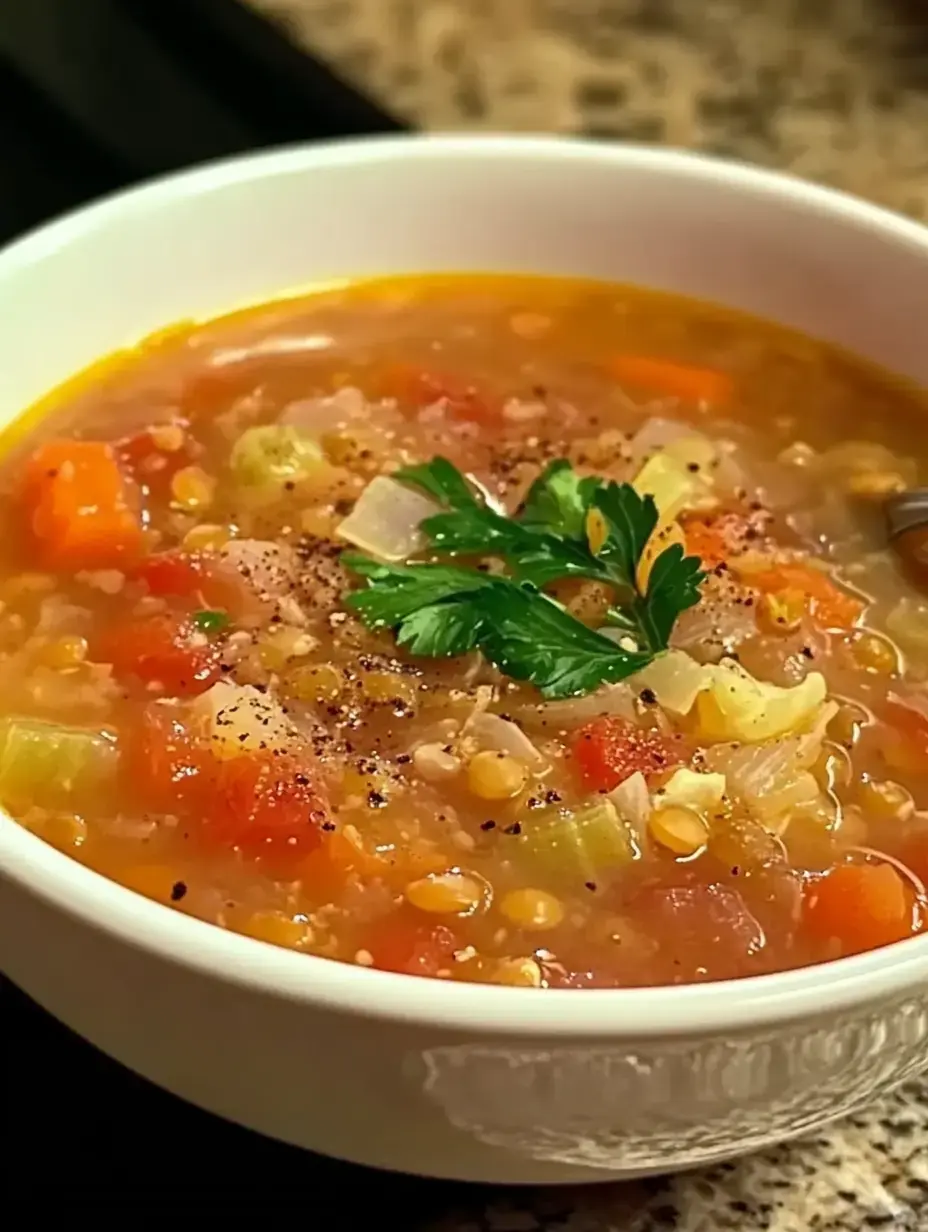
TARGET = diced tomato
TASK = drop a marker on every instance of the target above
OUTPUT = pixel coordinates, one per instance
(611, 749)
(404, 943)
(164, 765)
(414, 388)
(260, 804)
(673, 380)
(829, 606)
(162, 649)
(83, 510)
(861, 906)
(196, 576)
(718, 538)
(265, 805)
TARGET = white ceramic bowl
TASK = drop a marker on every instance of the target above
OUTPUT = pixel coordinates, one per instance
(459, 1081)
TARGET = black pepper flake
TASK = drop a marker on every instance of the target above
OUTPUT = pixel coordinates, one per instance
(515, 828)
(403, 759)
(692, 466)
(488, 825)
(648, 696)
(376, 799)
(808, 652)
(178, 891)
(591, 886)
(328, 825)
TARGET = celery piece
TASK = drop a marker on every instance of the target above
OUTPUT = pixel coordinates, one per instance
(270, 455)
(49, 764)
(585, 842)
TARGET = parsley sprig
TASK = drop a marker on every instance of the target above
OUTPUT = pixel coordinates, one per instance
(445, 609)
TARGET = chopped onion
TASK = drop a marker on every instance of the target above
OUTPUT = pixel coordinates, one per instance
(270, 569)
(317, 415)
(242, 720)
(769, 779)
(435, 764)
(718, 624)
(492, 731)
(675, 679)
(672, 437)
(385, 521)
(692, 789)
(674, 486)
(633, 801)
(612, 699)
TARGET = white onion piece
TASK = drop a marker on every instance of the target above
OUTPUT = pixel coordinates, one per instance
(714, 627)
(317, 415)
(385, 521)
(671, 436)
(633, 801)
(693, 789)
(612, 699)
(675, 679)
(492, 731)
(270, 569)
(435, 764)
(769, 779)
(242, 720)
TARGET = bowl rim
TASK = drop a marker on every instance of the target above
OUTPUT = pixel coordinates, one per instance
(718, 1007)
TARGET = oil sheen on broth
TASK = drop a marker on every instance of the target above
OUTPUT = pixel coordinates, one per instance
(516, 630)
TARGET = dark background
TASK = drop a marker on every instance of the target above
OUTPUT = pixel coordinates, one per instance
(96, 95)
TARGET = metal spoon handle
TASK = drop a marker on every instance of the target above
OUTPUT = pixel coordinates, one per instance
(906, 510)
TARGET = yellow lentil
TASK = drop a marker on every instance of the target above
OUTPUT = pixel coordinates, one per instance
(277, 928)
(679, 829)
(192, 489)
(445, 894)
(875, 654)
(495, 776)
(531, 909)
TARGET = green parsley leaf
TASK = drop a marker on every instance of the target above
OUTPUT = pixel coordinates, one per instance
(673, 586)
(438, 610)
(395, 592)
(210, 622)
(630, 521)
(443, 629)
(558, 500)
(441, 479)
(530, 637)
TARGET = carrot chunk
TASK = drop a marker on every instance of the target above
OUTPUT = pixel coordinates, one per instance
(83, 511)
(673, 380)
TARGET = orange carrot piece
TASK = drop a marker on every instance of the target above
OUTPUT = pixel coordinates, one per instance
(84, 512)
(829, 606)
(672, 380)
(861, 906)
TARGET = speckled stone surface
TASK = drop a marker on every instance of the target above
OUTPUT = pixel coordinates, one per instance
(835, 90)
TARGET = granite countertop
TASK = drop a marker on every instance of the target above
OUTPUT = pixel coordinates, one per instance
(835, 90)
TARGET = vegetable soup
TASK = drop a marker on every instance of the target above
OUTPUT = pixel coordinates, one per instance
(516, 630)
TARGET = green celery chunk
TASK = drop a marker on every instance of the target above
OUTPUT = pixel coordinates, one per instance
(49, 764)
(582, 843)
(266, 457)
